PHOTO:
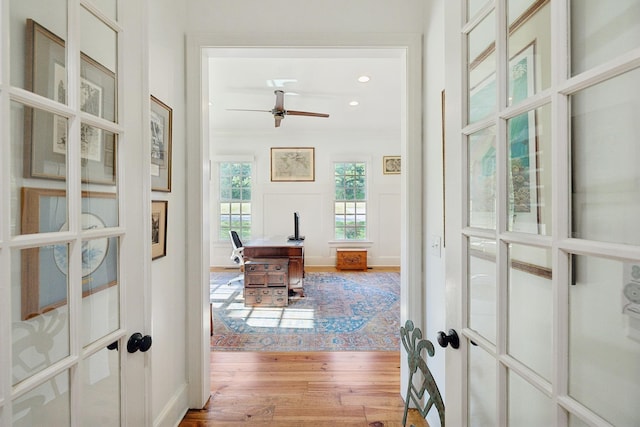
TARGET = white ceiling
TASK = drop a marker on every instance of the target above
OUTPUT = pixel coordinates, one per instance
(315, 79)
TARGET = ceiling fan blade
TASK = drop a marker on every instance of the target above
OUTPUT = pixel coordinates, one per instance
(305, 113)
(244, 109)
(279, 100)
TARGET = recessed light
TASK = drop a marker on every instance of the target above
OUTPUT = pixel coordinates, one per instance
(354, 103)
(364, 79)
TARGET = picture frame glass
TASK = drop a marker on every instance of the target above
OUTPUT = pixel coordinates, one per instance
(46, 134)
(161, 118)
(45, 268)
(292, 164)
(391, 165)
(158, 228)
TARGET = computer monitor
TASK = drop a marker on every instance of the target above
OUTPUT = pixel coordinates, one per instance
(296, 228)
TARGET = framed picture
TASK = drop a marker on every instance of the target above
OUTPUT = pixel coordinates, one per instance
(161, 117)
(45, 133)
(293, 164)
(522, 151)
(44, 269)
(158, 228)
(391, 165)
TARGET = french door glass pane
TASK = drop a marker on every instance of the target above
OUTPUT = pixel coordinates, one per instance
(529, 169)
(482, 388)
(574, 421)
(101, 389)
(37, 46)
(46, 405)
(482, 178)
(108, 7)
(605, 153)
(474, 7)
(604, 337)
(99, 67)
(528, 406)
(601, 31)
(100, 288)
(98, 155)
(482, 287)
(529, 49)
(39, 309)
(38, 150)
(482, 70)
(530, 308)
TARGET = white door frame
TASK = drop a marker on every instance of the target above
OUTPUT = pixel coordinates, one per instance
(198, 175)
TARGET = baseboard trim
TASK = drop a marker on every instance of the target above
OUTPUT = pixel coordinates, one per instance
(175, 409)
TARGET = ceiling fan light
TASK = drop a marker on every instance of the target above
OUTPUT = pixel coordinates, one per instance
(364, 79)
(354, 103)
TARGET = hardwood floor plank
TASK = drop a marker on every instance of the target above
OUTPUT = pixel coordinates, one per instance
(305, 389)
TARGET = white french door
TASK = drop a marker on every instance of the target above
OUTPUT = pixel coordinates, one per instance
(71, 276)
(543, 241)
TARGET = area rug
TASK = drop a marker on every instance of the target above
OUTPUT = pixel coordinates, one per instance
(350, 311)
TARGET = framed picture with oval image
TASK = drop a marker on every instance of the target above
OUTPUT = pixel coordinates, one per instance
(44, 269)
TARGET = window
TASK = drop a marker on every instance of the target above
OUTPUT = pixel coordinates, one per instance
(350, 208)
(235, 199)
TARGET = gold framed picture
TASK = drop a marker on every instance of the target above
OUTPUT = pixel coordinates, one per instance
(391, 165)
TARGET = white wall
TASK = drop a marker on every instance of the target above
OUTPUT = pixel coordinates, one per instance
(274, 203)
(314, 17)
(167, 23)
(434, 77)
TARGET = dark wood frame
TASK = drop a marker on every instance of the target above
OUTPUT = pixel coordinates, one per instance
(30, 257)
(45, 50)
(159, 210)
(160, 158)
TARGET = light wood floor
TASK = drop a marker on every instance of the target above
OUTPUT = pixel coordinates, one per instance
(291, 389)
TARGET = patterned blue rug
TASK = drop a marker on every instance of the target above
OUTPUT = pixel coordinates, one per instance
(345, 311)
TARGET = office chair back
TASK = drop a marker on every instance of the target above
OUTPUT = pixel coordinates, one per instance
(237, 243)
(237, 254)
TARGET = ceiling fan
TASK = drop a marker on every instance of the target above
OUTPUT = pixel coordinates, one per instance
(279, 112)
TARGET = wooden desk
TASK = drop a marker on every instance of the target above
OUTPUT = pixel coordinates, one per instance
(280, 248)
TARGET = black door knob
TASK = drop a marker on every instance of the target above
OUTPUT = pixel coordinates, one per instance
(138, 342)
(449, 339)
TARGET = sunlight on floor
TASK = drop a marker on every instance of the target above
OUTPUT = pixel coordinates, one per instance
(266, 317)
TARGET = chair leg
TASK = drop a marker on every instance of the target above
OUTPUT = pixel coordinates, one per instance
(238, 278)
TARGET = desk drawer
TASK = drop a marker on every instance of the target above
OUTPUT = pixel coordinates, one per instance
(266, 297)
(267, 265)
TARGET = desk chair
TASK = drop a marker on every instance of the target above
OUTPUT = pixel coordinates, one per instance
(237, 256)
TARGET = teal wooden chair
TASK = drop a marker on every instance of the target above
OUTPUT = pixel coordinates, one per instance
(414, 344)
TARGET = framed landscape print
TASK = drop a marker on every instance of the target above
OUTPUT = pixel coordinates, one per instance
(161, 117)
(292, 164)
(45, 133)
(44, 269)
(158, 228)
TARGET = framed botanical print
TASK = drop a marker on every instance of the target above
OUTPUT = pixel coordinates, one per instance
(391, 165)
(46, 133)
(161, 118)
